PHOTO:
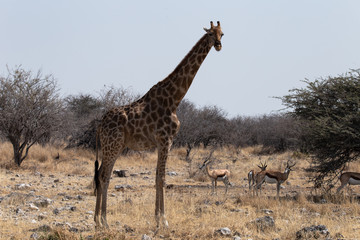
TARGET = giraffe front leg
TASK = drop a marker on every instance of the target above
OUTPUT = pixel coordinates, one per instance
(160, 182)
(105, 175)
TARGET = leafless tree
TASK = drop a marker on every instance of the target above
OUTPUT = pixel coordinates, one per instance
(30, 109)
(86, 111)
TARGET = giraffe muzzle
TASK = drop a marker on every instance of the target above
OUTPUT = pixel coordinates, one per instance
(217, 45)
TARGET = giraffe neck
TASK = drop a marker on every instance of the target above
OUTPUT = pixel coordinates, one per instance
(175, 86)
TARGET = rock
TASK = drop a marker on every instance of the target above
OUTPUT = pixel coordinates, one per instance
(19, 211)
(267, 211)
(313, 232)
(145, 237)
(122, 187)
(67, 198)
(33, 207)
(41, 217)
(339, 236)
(43, 228)
(43, 202)
(128, 229)
(56, 211)
(22, 186)
(120, 173)
(35, 235)
(265, 223)
(73, 229)
(172, 174)
(223, 231)
(217, 203)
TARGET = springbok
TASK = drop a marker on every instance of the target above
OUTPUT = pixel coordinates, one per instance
(216, 174)
(273, 177)
(252, 174)
(351, 178)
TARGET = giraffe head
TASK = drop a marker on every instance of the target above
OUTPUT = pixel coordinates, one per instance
(215, 35)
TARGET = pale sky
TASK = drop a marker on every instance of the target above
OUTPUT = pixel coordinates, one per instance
(268, 46)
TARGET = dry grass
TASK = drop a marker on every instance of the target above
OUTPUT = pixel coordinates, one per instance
(192, 211)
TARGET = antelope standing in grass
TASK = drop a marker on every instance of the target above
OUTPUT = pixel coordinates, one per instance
(252, 174)
(273, 177)
(216, 174)
(351, 178)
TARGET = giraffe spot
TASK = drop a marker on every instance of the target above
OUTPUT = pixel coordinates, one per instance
(112, 125)
(160, 124)
(167, 119)
(147, 108)
(115, 117)
(151, 127)
(154, 116)
(161, 111)
(192, 59)
(158, 91)
(178, 94)
(187, 68)
(166, 102)
(148, 119)
(147, 98)
(160, 101)
(171, 101)
(172, 89)
(153, 102)
(167, 129)
(193, 71)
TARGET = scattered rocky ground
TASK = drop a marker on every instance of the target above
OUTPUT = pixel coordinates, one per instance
(33, 203)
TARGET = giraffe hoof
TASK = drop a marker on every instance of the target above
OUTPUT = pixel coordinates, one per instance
(166, 224)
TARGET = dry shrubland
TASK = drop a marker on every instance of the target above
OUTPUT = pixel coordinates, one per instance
(192, 211)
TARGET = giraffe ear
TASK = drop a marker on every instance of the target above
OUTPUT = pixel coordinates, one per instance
(207, 30)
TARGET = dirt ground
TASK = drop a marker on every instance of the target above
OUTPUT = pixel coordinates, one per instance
(48, 198)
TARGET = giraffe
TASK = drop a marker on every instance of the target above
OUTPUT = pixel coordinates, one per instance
(147, 123)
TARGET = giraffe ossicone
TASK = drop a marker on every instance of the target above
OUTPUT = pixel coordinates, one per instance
(149, 122)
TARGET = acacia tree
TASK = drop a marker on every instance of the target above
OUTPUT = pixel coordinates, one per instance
(330, 113)
(30, 109)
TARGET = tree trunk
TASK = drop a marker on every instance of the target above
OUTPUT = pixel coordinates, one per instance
(17, 152)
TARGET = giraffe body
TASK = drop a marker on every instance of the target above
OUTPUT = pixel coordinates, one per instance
(147, 123)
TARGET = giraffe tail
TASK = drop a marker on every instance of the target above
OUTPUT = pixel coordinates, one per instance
(96, 174)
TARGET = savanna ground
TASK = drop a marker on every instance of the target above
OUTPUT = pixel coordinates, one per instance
(192, 211)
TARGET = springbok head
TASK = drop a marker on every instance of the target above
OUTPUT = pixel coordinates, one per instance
(262, 166)
(289, 166)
